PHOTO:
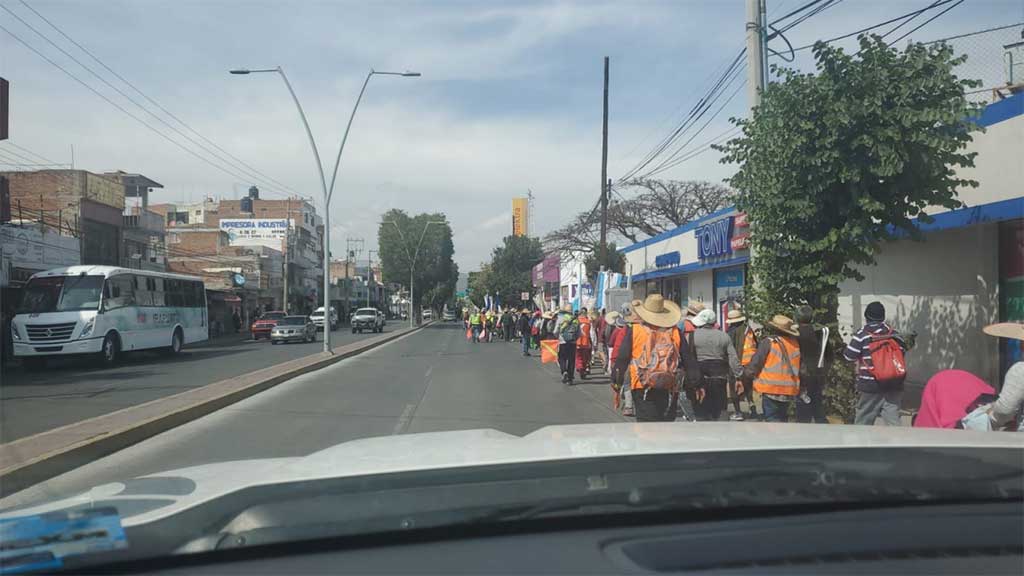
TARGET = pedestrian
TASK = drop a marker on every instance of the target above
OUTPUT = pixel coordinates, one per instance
(601, 342)
(476, 322)
(816, 357)
(878, 352)
(507, 325)
(1010, 404)
(657, 359)
(535, 329)
(625, 394)
(745, 343)
(524, 331)
(584, 344)
(774, 371)
(567, 326)
(692, 309)
(236, 320)
(719, 365)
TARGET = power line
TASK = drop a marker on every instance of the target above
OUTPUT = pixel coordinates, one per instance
(152, 101)
(926, 22)
(122, 93)
(121, 108)
(27, 151)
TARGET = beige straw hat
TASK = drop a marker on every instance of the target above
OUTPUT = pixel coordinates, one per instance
(659, 312)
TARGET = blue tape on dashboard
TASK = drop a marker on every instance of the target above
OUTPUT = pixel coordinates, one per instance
(42, 541)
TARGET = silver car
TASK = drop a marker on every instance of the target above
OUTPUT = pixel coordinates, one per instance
(293, 329)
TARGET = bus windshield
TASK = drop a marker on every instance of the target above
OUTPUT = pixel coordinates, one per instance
(61, 294)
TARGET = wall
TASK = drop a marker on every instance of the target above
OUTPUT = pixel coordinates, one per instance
(945, 289)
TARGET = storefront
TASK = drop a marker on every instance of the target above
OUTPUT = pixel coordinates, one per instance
(704, 261)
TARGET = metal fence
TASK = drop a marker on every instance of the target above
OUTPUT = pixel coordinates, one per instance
(989, 59)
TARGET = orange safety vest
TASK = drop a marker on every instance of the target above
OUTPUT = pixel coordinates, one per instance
(640, 335)
(779, 376)
(749, 347)
(583, 341)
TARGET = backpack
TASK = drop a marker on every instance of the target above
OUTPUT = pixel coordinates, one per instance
(570, 331)
(658, 363)
(888, 364)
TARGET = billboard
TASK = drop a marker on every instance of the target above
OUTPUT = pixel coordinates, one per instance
(520, 216)
(269, 232)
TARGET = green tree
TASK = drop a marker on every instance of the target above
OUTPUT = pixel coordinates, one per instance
(510, 267)
(615, 261)
(398, 236)
(832, 164)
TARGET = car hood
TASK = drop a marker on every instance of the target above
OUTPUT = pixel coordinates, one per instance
(149, 498)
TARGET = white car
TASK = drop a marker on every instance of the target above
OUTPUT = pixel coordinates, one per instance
(367, 319)
(318, 318)
(428, 314)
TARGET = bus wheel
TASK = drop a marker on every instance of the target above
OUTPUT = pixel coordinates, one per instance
(177, 340)
(111, 350)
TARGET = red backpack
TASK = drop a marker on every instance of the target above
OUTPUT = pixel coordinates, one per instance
(888, 364)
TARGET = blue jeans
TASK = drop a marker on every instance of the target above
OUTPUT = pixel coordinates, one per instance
(526, 344)
(476, 333)
(774, 411)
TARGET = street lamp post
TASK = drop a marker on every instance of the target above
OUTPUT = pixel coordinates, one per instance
(412, 262)
(320, 170)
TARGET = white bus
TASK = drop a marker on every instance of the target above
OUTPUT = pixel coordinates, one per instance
(106, 310)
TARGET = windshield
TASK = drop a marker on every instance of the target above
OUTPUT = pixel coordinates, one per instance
(61, 294)
(506, 233)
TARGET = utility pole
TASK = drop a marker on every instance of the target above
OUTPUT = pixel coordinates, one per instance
(755, 60)
(604, 170)
(287, 249)
(353, 248)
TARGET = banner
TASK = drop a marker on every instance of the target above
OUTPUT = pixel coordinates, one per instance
(520, 216)
(269, 232)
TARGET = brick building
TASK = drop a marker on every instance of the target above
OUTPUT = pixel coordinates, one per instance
(81, 204)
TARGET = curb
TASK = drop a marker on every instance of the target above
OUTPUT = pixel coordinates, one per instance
(34, 459)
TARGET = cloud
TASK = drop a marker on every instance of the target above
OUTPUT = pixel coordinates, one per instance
(510, 97)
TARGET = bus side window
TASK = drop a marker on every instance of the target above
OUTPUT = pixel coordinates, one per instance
(143, 294)
(121, 292)
(172, 292)
(158, 291)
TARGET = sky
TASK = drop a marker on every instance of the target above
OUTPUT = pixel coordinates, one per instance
(509, 101)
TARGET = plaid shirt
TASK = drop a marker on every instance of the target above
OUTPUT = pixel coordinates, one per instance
(857, 351)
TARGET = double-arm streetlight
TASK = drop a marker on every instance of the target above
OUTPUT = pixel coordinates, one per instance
(327, 191)
(412, 257)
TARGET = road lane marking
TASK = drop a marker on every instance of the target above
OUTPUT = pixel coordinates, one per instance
(404, 419)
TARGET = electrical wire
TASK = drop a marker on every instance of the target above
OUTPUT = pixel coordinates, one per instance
(152, 101)
(27, 151)
(928, 21)
(132, 100)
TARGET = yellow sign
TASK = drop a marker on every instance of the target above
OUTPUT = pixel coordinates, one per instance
(520, 216)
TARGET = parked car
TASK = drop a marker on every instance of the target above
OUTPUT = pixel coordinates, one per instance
(428, 314)
(263, 325)
(448, 316)
(294, 329)
(318, 318)
(367, 319)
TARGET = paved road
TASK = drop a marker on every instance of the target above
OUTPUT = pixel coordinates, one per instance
(431, 380)
(74, 389)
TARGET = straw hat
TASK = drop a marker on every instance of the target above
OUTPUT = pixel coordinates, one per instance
(784, 324)
(611, 317)
(567, 308)
(694, 307)
(525, 311)
(659, 312)
(1014, 330)
(735, 317)
(547, 315)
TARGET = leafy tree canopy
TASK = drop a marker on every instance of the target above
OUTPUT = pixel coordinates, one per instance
(398, 237)
(835, 162)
